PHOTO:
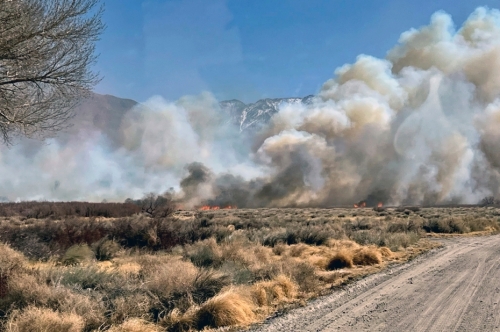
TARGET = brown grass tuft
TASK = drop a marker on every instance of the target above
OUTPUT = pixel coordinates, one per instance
(34, 319)
(135, 325)
(226, 309)
(176, 321)
(11, 262)
(385, 252)
(341, 260)
(367, 256)
(272, 292)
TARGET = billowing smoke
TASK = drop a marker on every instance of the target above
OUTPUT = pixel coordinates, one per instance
(421, 126)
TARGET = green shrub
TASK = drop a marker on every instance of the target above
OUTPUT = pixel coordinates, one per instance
(106, 249)
(77, 254)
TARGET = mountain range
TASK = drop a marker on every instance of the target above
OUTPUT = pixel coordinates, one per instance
(106, 112)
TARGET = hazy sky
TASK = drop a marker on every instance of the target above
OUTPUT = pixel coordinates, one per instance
(249, 49)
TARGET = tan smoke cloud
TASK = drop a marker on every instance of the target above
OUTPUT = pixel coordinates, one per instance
(421, 126)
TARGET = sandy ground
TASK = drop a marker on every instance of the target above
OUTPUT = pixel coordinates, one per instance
(456, 288)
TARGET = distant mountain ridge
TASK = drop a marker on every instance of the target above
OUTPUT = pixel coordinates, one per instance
(254, 115)
(106, 112)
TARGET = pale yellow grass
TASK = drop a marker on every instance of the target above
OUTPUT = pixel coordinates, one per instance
(34, 319)
(135, 325)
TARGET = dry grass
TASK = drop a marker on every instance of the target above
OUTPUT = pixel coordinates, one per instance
(226, 309)
(33, 319)
(135, 325)
(274, 292)
(341, 260)
(204, 270)
(367, 256)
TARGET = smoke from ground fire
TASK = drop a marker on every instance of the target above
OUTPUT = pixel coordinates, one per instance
(421, 126)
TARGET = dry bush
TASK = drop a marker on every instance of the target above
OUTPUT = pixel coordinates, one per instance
(177, 321)
(60, 210)
(226, 309)
(24, 290)
(207, 284)
(106, 249)
(10, 260)
(231, 308)
(165, 274)
(33, 319)
(129, 307)
(27, 290)
(135, 325)
(205, 253)
(77, 254)
(180, 284)
(273, 292)
(84, 277)
(367, 256)
(399, 241)
(340, 260)
(385, 252)
(298, 249)
(304, 275)
(11, 263)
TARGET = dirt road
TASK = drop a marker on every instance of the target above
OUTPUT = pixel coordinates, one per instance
(456, 288)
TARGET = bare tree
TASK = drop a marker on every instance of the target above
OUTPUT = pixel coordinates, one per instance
(46, 50)
(157, 205)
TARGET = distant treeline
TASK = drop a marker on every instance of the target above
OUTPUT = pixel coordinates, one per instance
(42, 210)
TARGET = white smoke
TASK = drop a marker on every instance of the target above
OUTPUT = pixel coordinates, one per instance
(421, 126)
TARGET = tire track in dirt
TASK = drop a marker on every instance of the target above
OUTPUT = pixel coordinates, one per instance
(456, 288)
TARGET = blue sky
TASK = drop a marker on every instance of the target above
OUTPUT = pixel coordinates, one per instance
(249, 49)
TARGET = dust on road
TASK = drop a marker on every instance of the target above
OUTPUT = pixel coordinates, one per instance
(456, 288)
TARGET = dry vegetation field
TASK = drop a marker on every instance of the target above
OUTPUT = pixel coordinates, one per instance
(109, 267)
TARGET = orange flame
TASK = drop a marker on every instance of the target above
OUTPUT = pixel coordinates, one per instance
(361, 204)
(212, 208)
(380, 205)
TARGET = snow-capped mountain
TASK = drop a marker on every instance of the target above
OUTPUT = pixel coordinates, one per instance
(252, 116)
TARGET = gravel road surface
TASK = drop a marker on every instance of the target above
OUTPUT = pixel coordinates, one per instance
(455, 288)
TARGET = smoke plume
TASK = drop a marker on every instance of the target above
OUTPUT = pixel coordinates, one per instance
(421, 126)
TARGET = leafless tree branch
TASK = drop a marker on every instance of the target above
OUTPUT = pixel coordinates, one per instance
(46, 50)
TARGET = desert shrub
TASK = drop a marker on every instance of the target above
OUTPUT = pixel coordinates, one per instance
(205, 253)
(396, 241)
(268, 271)
(77, 254)
(207, 284)
(169, 279)
(274, 237)
(367, 256)
(10, 260)
(59, 210)
(398, 227)
(385, 252)
(136, 231)
(437, 226)
(314, 235)
(85, 277)
(446, 225)
(135, 325)
(367, 237)
(27, 290)
(304, 276)
(33, 319)
(238, 272)
(11, 263)
(226, 309)
(130, 307)
(272, 292)
(480, 224)
(340, 260)
(106, 249)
